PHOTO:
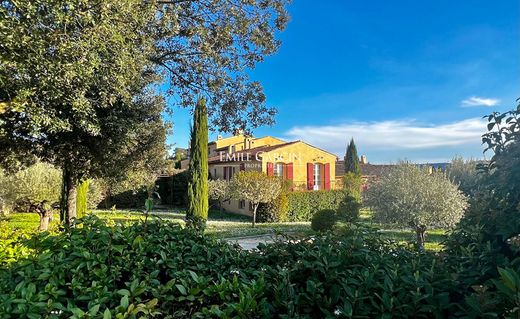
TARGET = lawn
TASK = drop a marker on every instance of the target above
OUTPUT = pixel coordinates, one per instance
(226, 225)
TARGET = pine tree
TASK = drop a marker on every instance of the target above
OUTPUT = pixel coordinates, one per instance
(197, 210)
(352, 159)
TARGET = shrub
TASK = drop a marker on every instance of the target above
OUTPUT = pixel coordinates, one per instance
(348, 210)
(352, 184)
(302, 205)
(276, 210)
(173, 189)
(323, 220)
(135, 270)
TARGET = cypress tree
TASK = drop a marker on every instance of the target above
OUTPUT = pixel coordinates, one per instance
(352, 159)
(197, 210)
(81, 199)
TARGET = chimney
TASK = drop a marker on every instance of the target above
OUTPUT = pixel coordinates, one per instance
(364, 159)
(219, 137)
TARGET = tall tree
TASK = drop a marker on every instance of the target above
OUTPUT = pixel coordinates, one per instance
(352, 159)
(74, 80)
(206, 48)
(69, 67)
(197, 210)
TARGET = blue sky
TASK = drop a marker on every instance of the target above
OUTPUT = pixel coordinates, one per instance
(405, 79)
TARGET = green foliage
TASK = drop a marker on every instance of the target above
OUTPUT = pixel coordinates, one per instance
(255, 187)
(173, 189)
(276, 210)
(348, 209)
(37, 183)
(324, 220)
(166, 270)
(466, 175)
(409, 194)
(197, 209)
(303, 205)
(219, 190)
(11, 243)
(352, 184)
(94, 113)
(206, 47)
(493, 214)
(97, 190)
(352, 159)
(82, 199)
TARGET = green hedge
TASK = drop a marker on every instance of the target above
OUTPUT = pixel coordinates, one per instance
(160, 270)
(303, 205)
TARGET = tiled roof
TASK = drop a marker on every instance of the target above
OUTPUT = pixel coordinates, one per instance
(252, 152)
(380, 169)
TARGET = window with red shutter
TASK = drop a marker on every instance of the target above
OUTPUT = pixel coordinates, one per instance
(326, 176)
(270, 169)
(289, 171)
(310, 176)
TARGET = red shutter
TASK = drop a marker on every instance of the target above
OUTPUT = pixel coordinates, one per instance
(326, 176)
(225, 173)
(310, 176)
(270, 169)
(242, 166)
(289, 170)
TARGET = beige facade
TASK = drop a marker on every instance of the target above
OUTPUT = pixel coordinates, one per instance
(308, 167)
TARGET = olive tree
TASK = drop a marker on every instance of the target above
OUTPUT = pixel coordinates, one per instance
(219, 190)
(466, 174)
(37, 188)
(255, 187)
(410, 196)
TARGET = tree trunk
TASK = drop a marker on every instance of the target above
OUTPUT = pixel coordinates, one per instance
(45, 217)
(220, 207)
(44, 211)
(255, 206)
(420, 231)
(68, 199)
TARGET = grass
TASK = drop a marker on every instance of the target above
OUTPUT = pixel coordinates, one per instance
(227, 225)
(434, 237)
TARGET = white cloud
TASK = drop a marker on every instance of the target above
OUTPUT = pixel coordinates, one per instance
(393, 136)
(479, 101)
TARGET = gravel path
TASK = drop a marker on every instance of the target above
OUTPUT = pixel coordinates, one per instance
(251, 242)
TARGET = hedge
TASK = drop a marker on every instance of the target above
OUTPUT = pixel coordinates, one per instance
(303, 205)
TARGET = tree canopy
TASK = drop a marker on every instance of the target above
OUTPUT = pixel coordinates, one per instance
(255, 187)
(409, 196)
(352, 159)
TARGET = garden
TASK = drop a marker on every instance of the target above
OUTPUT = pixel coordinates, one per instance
(90, 228)
(130, 264)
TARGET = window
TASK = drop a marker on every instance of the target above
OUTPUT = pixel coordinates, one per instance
(278, 170)
(229, 171)
(317, 177)
(242, 204)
